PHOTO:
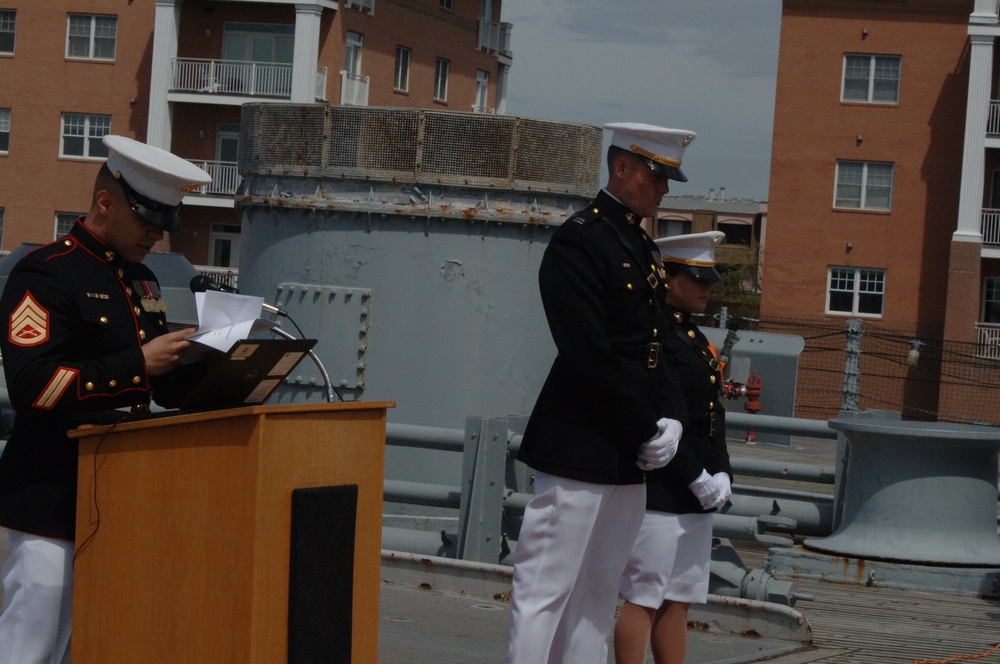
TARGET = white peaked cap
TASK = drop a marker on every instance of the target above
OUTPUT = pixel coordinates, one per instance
(695, 251)
(663, 147)
(153, 172)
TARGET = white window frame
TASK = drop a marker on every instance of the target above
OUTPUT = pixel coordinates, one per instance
(880, 78)
(8, 26)
(876, 177)
(4, 130)
(482, 91)
(90, 129)
(101, 29)
(447, 5)
(361, 5)
(63, 223)
(401, 75)
(860, 282)
(352, 57)
(441, 69)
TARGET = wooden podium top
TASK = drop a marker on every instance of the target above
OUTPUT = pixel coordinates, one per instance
(187, 418)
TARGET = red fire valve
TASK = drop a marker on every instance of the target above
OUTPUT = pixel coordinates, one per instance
(731, 390)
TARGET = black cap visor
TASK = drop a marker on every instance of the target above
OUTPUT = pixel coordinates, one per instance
(709, 274)
(162, 216)
(670, 172)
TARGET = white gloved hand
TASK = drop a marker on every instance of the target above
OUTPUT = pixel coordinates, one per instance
(708, 491)
(661, 448)
(725, 485)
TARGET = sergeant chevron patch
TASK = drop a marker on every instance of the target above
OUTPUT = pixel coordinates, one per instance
(29, 323)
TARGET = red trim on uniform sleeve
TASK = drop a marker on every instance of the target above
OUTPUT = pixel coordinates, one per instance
(60, 380)
(29, 323)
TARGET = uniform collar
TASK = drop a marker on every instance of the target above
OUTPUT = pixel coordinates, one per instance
(678, 316)
(615, 209)
(82, 236)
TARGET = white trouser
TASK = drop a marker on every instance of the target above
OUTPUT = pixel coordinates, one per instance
(575, 540)
(37, 600)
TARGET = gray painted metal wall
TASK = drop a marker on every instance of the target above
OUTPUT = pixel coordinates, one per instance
(408, 242)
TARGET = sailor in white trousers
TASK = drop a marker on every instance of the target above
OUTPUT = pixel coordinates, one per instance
(37, 600)
(575, 539)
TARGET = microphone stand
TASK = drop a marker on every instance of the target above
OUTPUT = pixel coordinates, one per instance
(326, 378)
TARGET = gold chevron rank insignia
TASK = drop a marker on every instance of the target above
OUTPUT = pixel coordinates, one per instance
(29, 323)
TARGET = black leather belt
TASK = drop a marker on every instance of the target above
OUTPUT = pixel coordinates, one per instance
(645, 354)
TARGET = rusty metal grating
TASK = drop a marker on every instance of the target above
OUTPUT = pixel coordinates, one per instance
(283, 140)
(420, 146)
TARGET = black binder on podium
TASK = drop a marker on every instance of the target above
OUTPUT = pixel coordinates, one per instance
(247, 373)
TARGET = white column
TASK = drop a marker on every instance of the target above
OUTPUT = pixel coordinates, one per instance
(167, 18)
(503, 73)
(970, 202)
(305, 58)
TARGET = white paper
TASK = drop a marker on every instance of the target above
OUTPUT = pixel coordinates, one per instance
(225, 318)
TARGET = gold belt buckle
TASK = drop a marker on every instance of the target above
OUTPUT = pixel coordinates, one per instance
(652, 355)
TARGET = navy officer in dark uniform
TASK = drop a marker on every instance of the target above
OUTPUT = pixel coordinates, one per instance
(86, 336)
(670, 562)
(606, 413)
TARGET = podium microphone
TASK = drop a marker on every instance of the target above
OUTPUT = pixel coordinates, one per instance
(201, 283)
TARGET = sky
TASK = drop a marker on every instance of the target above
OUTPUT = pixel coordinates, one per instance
(708, 66)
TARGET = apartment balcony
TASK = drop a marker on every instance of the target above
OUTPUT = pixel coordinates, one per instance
(988, 343)
(990, 226)
(353, 89)
(238, 79)
(221, 191)
(494, 37)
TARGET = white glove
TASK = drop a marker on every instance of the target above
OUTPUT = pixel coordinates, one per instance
(722, 480)
(661, 448)
(710, 490)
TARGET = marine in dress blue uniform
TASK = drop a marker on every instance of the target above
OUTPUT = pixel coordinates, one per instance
(78, 313)
(669, 566)
(606, 412)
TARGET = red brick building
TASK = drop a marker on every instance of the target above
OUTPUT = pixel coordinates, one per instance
(175, 73)
(885, 182)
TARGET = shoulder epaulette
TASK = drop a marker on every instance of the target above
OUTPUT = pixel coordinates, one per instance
(586, 216)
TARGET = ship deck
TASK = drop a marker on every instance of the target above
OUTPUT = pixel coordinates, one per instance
(451, 612)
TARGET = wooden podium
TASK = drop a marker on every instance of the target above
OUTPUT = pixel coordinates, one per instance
(229, 536)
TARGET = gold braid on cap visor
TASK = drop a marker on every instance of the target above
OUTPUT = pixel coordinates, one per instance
(655, 157)
(689, 261)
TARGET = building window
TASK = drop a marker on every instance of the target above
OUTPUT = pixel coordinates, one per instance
(482, 91)
(401, 81)
(441, 80)
(1, 226)
(91, 37)
(871, 78)
(224, 245)
(352, 59)
(855, 291)
(737, 233)
(863, 185)
(672, 227)
(361, 5)
(991, 300)
(4, 130)
(65, 221)
(8, 21)
(448, 4)
(82, 135)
